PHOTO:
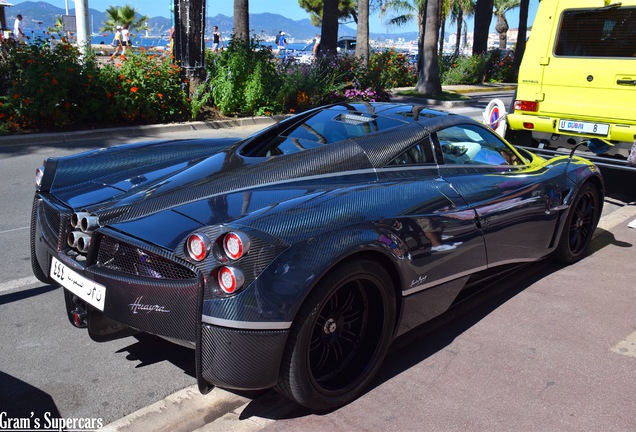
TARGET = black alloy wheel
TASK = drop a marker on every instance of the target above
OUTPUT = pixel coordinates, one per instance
(580, 224)
(340, 337)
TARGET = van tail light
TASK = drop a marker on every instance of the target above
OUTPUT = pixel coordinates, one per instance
(527, 125)
(521, 105)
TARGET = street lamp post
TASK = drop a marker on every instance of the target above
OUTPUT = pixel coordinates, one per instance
(81, 23)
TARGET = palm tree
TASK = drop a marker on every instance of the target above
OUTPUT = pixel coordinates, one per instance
(57, 27)
(241, 20)
(429, 80)
(362, 34)
(329, 30)
(483, 17)
(501, 7)
(521, 35)
(459, 9)
(118, 16)
(405, 12)
(446, 4)
(346, 9)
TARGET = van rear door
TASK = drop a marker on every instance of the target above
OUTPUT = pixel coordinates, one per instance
(590, 75)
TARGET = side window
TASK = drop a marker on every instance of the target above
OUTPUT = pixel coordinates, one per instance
(471, 144)
(420, 153)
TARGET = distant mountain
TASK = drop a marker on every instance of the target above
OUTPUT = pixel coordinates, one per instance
(38, 16)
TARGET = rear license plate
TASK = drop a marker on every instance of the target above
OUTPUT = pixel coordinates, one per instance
(92, 293)
(584, 127)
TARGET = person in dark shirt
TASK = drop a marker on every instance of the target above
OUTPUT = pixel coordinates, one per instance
(216, 39)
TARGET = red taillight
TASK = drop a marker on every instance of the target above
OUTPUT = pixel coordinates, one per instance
(230, 279)
(532, 106)
(527, 125)
(236, 245)
(198, 246)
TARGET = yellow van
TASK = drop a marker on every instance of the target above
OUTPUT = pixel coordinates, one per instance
(577, 79)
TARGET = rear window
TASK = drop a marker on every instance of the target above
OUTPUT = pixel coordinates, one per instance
(600, 32)
(325, 127)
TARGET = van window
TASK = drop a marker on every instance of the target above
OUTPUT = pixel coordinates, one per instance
(606, 32)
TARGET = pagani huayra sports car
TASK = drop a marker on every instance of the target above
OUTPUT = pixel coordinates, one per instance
(291, 259)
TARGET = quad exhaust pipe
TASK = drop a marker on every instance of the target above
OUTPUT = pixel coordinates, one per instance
(84, 221)
(78, 240)
(83, 224)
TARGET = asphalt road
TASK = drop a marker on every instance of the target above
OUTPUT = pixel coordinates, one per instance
(486, 366)
(47, 366)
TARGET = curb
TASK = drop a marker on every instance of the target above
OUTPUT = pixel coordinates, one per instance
(133, 131)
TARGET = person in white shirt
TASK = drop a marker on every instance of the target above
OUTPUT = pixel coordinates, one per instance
(125, 40)
(18, 30)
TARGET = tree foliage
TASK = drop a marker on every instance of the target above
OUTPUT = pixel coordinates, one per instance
(346, 10)
(500, 9)
(127, 14)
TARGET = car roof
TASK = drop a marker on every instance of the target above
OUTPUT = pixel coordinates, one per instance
(378, 129)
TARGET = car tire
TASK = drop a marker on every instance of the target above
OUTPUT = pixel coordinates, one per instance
(339, 337)
(580, 224)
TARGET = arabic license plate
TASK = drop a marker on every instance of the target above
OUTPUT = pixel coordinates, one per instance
(87, 290)
(584, 127)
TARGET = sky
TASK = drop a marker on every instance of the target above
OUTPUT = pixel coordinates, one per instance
(287, 8)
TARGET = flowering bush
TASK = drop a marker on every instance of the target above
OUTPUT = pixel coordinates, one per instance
(390, 69)
(47, 87)
(499, 67)
(368, 95)
(144, 88)
(459, 69)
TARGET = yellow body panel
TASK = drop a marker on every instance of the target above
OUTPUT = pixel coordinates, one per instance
(597, 89)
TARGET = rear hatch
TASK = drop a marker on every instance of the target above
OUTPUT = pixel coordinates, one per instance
(591, 72)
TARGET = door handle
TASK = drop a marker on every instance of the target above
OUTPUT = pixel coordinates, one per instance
(626, 82)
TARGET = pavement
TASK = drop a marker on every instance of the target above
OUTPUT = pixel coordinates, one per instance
(553, 349)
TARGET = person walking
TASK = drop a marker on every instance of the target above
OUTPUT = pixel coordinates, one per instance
(18, 30)
(216, 39)
(316, 47)
(125, 41)
(281, 43)
(117, 42)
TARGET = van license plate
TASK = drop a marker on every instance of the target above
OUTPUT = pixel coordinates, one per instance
(584, 127)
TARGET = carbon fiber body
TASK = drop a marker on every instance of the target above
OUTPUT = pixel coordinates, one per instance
(329, 185)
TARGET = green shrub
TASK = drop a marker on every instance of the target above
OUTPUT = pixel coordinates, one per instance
(389, 69)
(458, 69)
(499, 67)
(243, 79)
(48, 88)
(144, 88)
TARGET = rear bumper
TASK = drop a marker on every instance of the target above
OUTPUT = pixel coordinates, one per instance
(549, 124)
(227, 357)
(239, 359)
(163, 307)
